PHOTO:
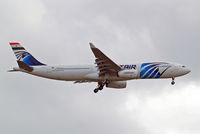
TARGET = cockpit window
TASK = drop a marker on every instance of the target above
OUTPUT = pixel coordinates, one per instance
(183, 66)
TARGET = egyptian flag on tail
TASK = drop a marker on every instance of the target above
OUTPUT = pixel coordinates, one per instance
(23, 56)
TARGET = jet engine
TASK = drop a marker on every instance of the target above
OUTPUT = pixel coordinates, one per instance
(116, 84)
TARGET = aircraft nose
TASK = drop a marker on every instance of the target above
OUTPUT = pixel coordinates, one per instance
(186, 70)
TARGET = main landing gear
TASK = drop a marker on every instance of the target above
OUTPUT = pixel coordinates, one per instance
(173, 82)
(100, 86)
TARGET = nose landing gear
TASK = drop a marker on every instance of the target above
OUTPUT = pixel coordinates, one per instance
(100, 86)
(173, 82)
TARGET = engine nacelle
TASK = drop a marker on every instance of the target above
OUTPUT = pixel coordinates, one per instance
(128, 74)
(116, 84)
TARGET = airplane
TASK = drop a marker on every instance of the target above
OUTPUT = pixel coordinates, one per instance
(106, 72)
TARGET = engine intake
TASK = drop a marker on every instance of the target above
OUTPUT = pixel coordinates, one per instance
(116, 84)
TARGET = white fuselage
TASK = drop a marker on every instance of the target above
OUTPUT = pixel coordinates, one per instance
(106, 72)
(91, 73)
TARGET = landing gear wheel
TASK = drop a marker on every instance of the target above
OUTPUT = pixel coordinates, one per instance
(173, 82)
(101, 85)
(96, 90)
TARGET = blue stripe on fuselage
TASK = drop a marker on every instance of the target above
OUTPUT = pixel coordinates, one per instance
(148, 73)
(154, 73)
(146, 69)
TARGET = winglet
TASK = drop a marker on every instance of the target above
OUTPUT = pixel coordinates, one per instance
(91, 45)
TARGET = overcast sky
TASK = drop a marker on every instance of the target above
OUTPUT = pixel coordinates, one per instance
(57, 32)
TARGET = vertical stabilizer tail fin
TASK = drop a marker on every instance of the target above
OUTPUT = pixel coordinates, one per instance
(24, 58)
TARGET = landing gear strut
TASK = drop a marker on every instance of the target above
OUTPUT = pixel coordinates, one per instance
(173, 82)
(100, 86)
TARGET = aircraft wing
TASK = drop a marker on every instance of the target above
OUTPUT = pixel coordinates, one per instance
(104, 64)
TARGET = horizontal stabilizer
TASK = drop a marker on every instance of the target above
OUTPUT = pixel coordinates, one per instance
(13, 70)
(24, 66)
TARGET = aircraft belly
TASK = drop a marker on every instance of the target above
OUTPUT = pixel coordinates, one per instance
(95, 77)
(68, 75)
(71, 75)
